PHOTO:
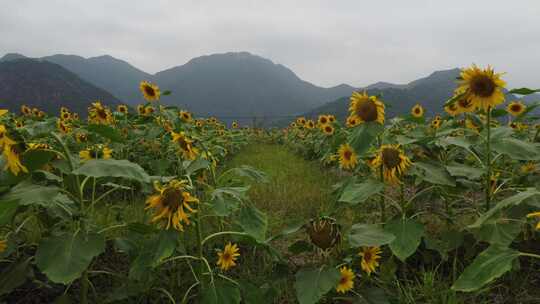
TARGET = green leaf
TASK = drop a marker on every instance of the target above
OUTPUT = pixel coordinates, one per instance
(435, 174)
(166, 93)
(448, 240)
(27, 193)
(463, 142)
(358, 193)
(516, 149)
(495, 113)
(465, 171)
(222, 292)
(63, 258)
(408, 233)
(254, 222)
(14, 275)
(251, 173)
(369, 235)
(107, 132)
(523, 91)
(196, 165)
(488, 265)
(153, 251)
(113, 168)
(362, 136)
(500, 232)
(7, 211)
(312, 284)
(36, 159)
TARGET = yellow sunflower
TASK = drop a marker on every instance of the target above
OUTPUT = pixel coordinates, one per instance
(185, 116)
(19, 124)
(4, 138)
(65, 115)
(199, 123)
(331, 118)
(327, 129)
(148, 110)
(347, 157)
(227, 258)
(535, 215)
(13, 162)
(63, 126)
(150, 91)
(310, 124)
(234, 125)
(482, 87)
(37, 146)
(25, 110)
(301, 121)
(96, 152)
(140, 109)
(81, 137)
(366, 108)
(323, 119)
(99, 114)
(370, 257)
(528, 168)
(352, 121)
(452, 109)
(393, 161)
(185, 144)
(436, 123)
(417, 111)
(346, 282)
(172, 204)
(516, 108)
(75, 116)
(122, 109)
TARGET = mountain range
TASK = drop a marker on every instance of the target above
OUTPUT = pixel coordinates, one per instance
(229, 85)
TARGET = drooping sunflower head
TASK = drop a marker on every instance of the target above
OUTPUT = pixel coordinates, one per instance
(150, 91)
(228, 256)
(25, 110)
(370, 259)
(393, 161)
(99, 114)
(347, 157)
(323, 119)
(324, 232)
(11, 156)
(185, 116)
(122, 109)
(185, 145)
(417, 111)
(327, 129)
(482, 86)
(96, 152)
(172, 204)
(516, 108)
(346, 282)
(366, 108)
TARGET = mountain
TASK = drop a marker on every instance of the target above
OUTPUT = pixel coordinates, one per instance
(113, 75)
(46, 86)
(242, 84)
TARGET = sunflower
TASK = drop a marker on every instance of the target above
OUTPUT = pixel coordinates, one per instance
(3, 245)
(528, 168)
(346, 282)
(185, 144)
(234, 125)
(150, 91)
(4, 138)
(347, 157)
(140, 109)
(75, 116)
(452, 109)
(172, 204)
(310, 124)
(185, 116)
(370, 257)
(37, 146)
(63, 126)
(323, 119)
(327, 129)
(417, 111)
(535, 215)
(516, 108)
(324, 232)
(352, 121)
(35, 112)
(19, 124)
(41, 114)
(122, 109)
(199, 123)
(366, 108)
(483, 87)
(25, 110)
(149, 110)
(227, 257)
(301, 121)
(436, 123)
(96, 152)
(331, 118)
(393, 161)
(65, 115)
(81, 137)
(3, 112)
(99, 114)
(13, 162)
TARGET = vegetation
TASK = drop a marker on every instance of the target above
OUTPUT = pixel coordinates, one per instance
(158, 206)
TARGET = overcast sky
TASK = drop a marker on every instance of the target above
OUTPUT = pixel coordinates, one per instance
(325, 42)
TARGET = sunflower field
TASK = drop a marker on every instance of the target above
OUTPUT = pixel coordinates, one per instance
(154, 205)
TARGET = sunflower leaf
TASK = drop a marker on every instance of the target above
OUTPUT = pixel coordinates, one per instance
(523, 91)
(408, 234)
(312, 284)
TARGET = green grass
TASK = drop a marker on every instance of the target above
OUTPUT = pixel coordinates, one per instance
(297, 189)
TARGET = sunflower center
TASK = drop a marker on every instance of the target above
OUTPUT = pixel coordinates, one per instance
(515, 108)
(347, 155)
(149, 91)
(390, 157)
(483, 86)
(101, 113)
(417, 111)
(367, 110)
(172, 197)
(343, 280)
(328, 129)
(367, 256)
(227, 256)
(323, 120)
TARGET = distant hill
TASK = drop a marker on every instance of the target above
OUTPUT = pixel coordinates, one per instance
(46, 86)
(431, 92)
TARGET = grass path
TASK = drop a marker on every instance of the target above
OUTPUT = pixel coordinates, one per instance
(298, 189)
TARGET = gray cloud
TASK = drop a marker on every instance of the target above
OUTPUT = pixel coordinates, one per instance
(325, 42)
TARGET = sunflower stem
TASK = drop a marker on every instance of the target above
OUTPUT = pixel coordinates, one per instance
(381, 176)
(84, 288)
(201, 257)
(488, 161)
